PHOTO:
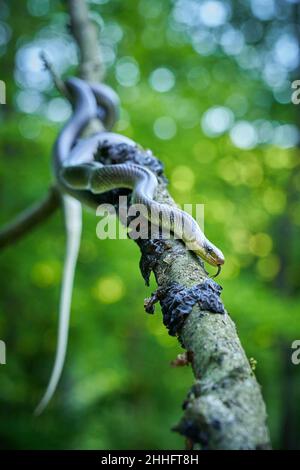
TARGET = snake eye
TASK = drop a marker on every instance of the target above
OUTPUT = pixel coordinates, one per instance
(209, 250)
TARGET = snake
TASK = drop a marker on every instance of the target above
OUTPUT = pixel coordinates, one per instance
(81, 180)
(77, 170)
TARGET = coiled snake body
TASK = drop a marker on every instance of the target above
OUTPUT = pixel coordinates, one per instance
(79, 175)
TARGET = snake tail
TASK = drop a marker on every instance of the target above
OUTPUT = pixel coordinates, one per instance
(73, 221)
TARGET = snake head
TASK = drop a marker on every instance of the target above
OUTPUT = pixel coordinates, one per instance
(209, 252)
(212, 254)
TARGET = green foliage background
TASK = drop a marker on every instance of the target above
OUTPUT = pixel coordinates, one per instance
(118, 389)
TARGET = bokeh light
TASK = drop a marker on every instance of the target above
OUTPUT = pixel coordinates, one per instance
(165, 127)
(127, 71)
(109, 289)
(182, 178)
(162, 80)
(244, 135)
(217, 120)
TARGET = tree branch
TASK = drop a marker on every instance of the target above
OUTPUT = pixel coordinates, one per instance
(86, 36)
(58, 82)
(30, 218)
(224, 408)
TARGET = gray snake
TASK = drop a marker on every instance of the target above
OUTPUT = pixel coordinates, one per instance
(80, 176)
